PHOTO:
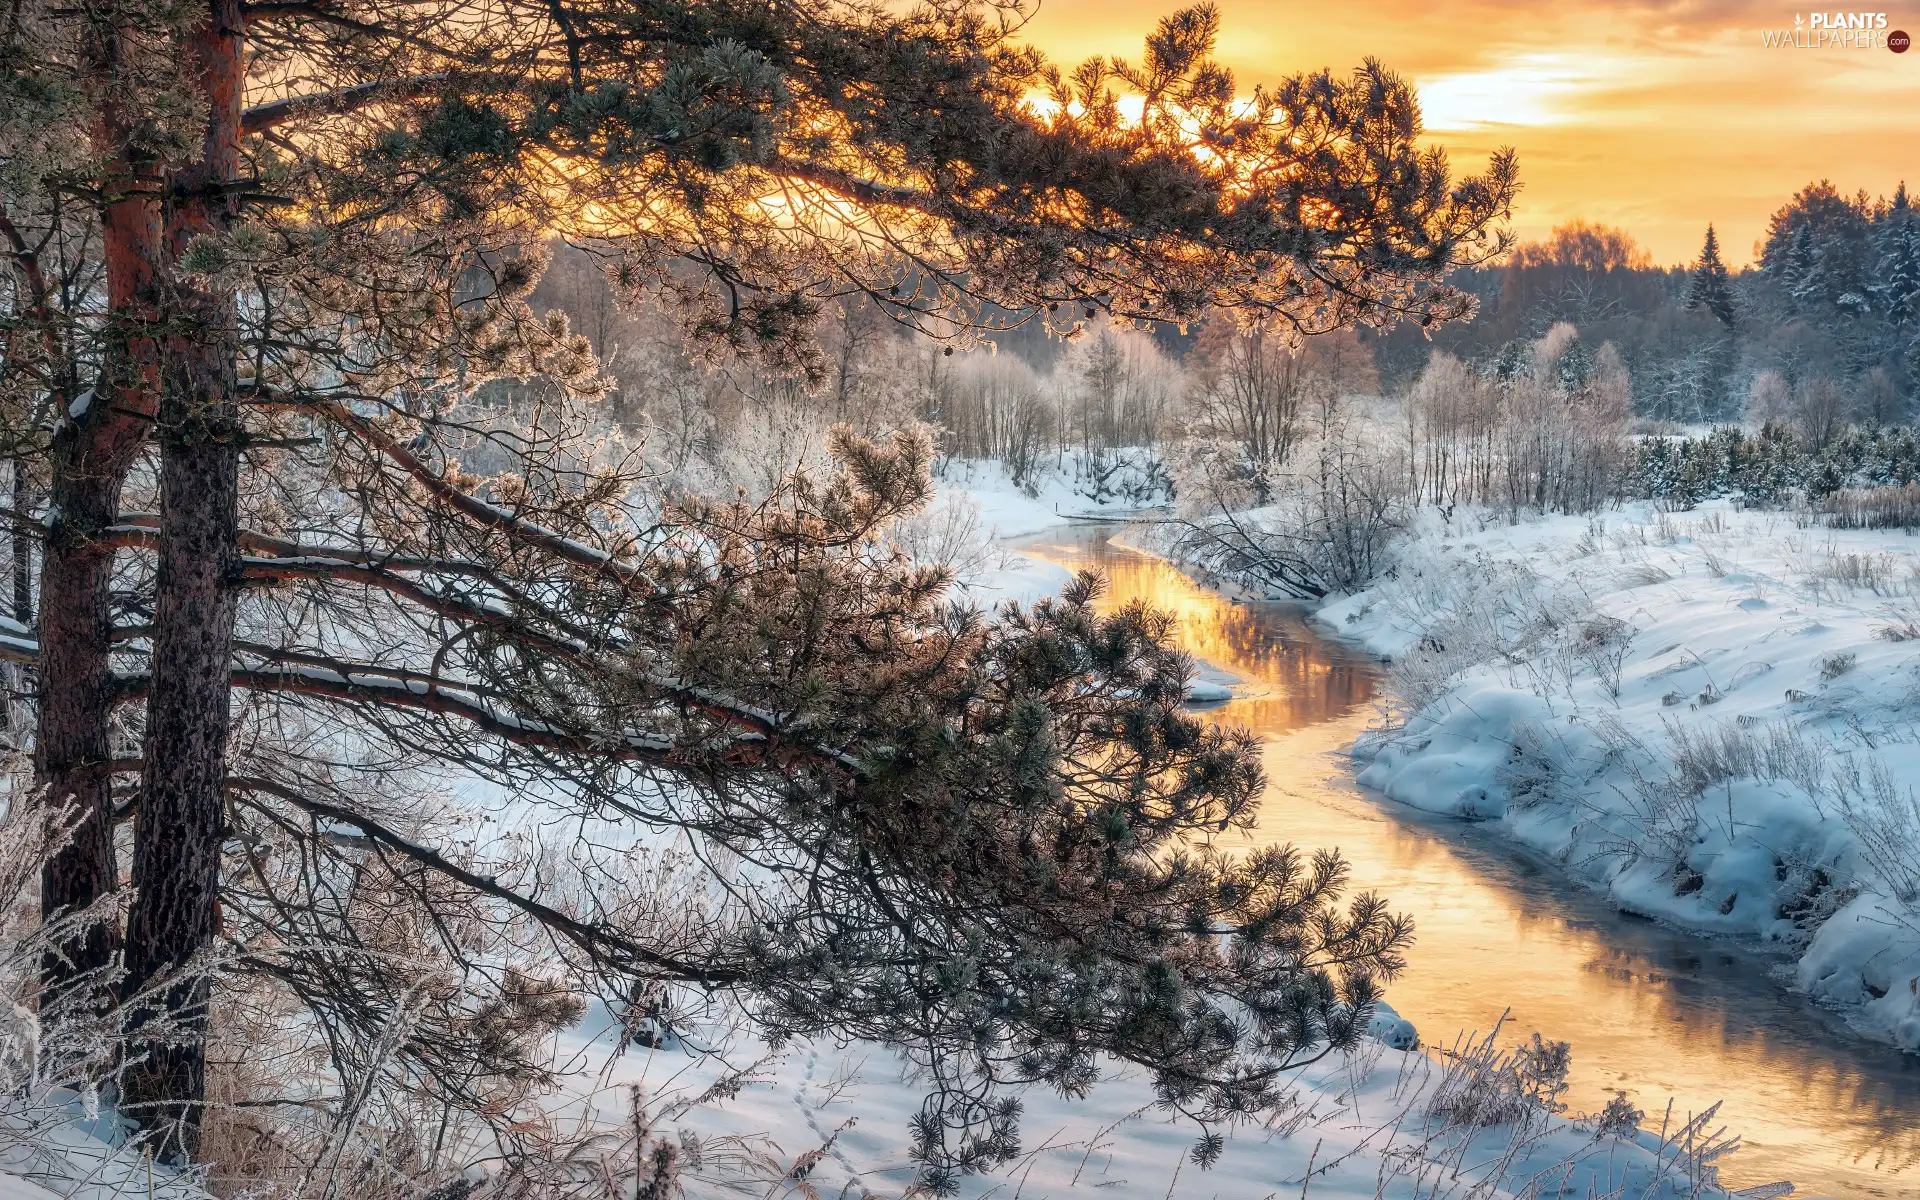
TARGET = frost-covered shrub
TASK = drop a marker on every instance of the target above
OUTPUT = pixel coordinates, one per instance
(1328, 525)
(1713, 753)
(1619, 1119)
(59, 1051)
(1486, 1084)
(1880, 574)
(950, 534)
(1534, 769)
(1834, 666)
(1133, 476)
(1885, 818)
(1480, 610)
(1602, 645)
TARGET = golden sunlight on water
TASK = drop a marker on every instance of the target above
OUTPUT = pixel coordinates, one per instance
(1651, 1012)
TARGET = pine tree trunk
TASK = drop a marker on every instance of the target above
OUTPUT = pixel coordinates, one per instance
(22, 549)
(92, 452)
(178, 838)
(176, 858)
(73, 747)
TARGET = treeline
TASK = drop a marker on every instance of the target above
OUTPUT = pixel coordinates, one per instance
(1833, 300)
(1818, 337)
(1771, 465)
(1118, 393)
(1294, 468)
(1224, 417)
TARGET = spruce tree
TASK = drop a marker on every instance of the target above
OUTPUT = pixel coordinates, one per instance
(1898, 283)
(1710, 286)
(1819, 250)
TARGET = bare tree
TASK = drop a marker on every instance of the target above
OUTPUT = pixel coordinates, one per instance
(1253, 390)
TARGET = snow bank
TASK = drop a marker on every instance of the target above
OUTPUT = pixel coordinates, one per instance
(1357, 1127)
(1207, 691)
(1015, 577)
(1711, 715)
(1074, 489)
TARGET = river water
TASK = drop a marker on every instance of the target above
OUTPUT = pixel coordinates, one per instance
(1655, 1013)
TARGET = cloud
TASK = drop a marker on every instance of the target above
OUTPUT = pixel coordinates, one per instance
(1529, 89)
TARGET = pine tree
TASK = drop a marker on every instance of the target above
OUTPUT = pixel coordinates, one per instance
(377, 188)
(1574, 369)
(1710, 286)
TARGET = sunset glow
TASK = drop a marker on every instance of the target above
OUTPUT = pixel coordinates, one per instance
(1658, 117)
(1534, 89)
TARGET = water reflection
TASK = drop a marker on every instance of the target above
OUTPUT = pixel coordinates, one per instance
(1288, 676)
(1651, 1012)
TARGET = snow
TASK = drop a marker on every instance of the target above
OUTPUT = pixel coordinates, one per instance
(55, 1145)
(1019, 578)
(1207, 691)
(1003, 510)
(1356, 1127)
(1752, 777)
(1009, 510)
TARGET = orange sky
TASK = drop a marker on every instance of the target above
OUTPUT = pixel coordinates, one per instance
(1658, 117)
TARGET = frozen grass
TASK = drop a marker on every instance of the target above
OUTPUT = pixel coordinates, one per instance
(1873, 508)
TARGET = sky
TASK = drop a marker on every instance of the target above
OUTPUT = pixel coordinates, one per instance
(1657, 117)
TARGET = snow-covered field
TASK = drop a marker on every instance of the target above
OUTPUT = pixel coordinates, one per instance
(1709, 714)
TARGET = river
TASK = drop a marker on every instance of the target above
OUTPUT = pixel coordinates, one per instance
(1650, 1011)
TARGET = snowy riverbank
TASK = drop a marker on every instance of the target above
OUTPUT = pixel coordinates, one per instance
(978, 502)
(1708, 714)
(1381, 1122)
(1395, 1119)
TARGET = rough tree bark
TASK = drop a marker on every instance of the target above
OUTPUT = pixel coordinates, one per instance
(177, 842)
(73, 742)
(92, 451)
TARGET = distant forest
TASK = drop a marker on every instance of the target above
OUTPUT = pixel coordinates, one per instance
(1580, 343)
(1832, 305)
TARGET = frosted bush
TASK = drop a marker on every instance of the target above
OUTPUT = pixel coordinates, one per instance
(949, 534)
(1481, 610)
(1619, 1119)
(1485, 1084)
(1885, 818)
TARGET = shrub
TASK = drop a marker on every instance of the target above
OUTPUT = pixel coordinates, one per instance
(1486, 1085)
(1873, 508)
